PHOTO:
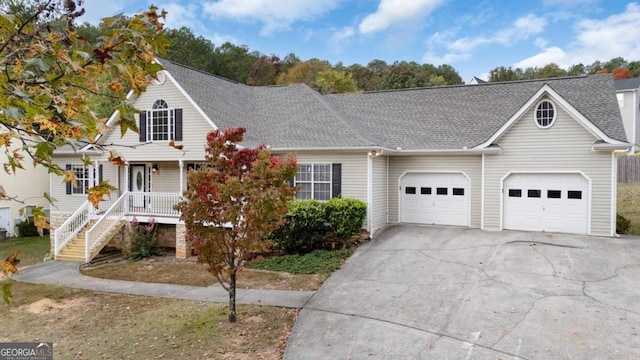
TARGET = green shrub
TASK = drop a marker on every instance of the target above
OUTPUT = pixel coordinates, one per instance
(305, 227)
(27, 228)
(144, 239)
(346, 216)
(316, 262)
(622, 224)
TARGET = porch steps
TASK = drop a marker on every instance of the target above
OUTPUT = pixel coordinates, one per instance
(75, 249)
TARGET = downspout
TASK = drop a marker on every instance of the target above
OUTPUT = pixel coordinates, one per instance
(369, 191)
(482, 195)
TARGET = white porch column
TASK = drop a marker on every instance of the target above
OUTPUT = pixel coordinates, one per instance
(126, 178)
(181, 165)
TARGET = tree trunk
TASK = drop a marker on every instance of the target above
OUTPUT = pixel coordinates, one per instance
(232, 297)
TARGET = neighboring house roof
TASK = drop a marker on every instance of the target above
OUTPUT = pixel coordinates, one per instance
(446, 117)
(476, 80)
(627, 84)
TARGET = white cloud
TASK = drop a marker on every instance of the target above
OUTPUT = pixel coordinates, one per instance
(179, 15)
(396, 12)
(460, 49)
(596, 39)
(339, 37)
(97, 10)
(540, 42)
(549, 55)
(276, 15)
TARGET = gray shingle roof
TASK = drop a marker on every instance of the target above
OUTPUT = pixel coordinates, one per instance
(448, 117)
(627, 84)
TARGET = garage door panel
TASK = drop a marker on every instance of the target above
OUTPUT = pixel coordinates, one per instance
(439, 198)
(546, 202)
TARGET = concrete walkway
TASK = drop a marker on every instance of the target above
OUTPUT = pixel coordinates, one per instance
(67, 274)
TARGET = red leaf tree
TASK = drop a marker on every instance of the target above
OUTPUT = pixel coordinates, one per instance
(233, 203)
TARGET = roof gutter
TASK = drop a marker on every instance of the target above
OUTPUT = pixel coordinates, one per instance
(377, 150)
(608, 146)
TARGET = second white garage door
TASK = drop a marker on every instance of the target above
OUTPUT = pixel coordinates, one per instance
(435, 198)
(546, 202)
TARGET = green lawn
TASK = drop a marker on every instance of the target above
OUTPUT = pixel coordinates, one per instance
(32, 249)
(629, 205)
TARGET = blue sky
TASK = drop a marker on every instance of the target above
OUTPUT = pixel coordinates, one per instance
(472, 36)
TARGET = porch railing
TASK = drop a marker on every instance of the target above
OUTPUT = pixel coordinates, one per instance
(72, 226)
(153, 204)
(108, 221)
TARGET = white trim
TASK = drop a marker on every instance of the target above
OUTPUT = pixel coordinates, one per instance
(426, 172)
(369, 192)
(546, 89)
(559, 172)
(495, 149)
(181, 166)
(190, 99)
(482, 195)
(614, 192)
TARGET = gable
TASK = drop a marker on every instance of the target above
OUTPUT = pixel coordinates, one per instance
(562, 107)
(195, 126)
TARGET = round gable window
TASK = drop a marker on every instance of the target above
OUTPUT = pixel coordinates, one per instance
(545, 114)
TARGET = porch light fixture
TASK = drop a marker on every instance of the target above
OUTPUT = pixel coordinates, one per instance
(154, 168)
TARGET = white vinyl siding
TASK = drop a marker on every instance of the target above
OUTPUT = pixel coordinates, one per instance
(379, 187)
(194, 129)
(564, 147)
(469, 165)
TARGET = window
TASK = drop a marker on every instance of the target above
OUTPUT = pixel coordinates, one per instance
(574, 194)
(82, 183)
(425, 190)
(554, 194)
(534, 193)
(314, 181)
(457, 191)
(515, 193)
(441, 191)
(545, 114)
(410, 190)
(161, 123)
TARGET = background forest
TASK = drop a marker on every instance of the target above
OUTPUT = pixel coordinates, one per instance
(240, 64)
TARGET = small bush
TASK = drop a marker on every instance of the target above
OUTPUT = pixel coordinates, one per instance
(144, 239)
(316, 262)
(622, 224)
(305, 227)
(346, 216)
(27, 228)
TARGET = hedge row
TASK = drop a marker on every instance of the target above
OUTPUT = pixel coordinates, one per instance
(309, 222)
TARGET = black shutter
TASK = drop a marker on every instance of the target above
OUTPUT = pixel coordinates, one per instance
(142, 129)
(178, 122)
(290, 181)
(336, 180)
(68, 184)
(99, 174)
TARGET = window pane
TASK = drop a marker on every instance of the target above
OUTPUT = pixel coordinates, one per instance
(410, 190)
(322, 191)
(554, 194)
(304, 192)
(425, 190)
(441, 191)
(304, 172)
(574, 194)
(534, 193)
(515, 193)
(457, 191)
(322, 172)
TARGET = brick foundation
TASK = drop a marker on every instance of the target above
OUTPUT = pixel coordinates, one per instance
(55, 220)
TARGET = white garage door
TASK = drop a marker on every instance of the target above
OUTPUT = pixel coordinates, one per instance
(429, 198)
(546, 202)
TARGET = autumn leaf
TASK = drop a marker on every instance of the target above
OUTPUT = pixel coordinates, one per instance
(98, 192)
(116, 159)
(10, 265)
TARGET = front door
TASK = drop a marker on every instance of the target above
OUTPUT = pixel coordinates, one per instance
(138, 184)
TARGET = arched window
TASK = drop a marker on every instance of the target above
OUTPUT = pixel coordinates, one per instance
(161, 123)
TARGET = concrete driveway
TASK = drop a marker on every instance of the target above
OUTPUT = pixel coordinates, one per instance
(434, 292)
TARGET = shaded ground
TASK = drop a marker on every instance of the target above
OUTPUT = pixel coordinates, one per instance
(90, 325)
(629, 205)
